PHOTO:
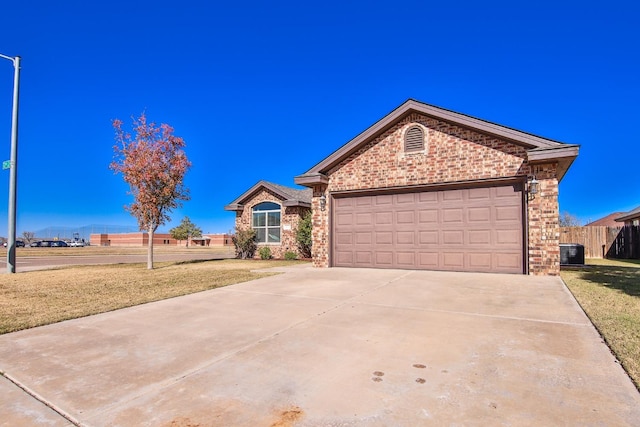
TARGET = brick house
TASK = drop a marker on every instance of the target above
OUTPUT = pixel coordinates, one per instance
(274, 212)
(429, 188)
(630, 218)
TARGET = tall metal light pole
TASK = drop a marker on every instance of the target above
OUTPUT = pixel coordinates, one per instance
(13, 168)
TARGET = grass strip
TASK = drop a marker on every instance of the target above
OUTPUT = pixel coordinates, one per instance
(39, 298)
(609, 292)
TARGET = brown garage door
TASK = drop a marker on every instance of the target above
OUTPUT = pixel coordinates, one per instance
(471, 229)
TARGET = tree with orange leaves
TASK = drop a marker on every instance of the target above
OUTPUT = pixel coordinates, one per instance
(154, 164)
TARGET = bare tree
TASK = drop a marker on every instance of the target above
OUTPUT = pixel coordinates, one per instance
(568, 220)
(27, 237)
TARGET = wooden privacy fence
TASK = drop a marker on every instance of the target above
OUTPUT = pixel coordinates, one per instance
(604, 242)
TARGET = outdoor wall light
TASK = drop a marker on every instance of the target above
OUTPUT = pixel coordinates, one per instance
(323, 202)
(533, 187)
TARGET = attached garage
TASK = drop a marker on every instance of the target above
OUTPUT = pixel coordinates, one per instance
(464, 229)
(429, 188)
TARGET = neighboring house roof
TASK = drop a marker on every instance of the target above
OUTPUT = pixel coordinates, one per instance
(539, 150)
(607, 221)
(290, 196)
(634, 214)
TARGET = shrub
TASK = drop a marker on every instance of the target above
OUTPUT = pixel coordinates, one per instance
(265, 252)
(303, 235)
(289, 255)
(245, 243)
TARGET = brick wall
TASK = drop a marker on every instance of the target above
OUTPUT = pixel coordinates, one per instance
(290, 217)
(544, 227)
(133, 239)
(451, 154)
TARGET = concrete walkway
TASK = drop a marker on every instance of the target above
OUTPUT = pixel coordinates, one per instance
(326, 347)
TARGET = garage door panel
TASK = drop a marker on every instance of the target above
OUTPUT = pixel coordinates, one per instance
(473, 229)
(481, 261)
(405, 237)
(384, 259)
(479, 237)
(480, 193)
(344, 238)
(384, 238)
(365, 218)
(383, 200)
(452, 215)
(455, 237)
(428, 237)
(450, 195)
(405, 259)
(363, 259)
(507, 191)
(363, 237)
(480, 214)
(508, 237)
(453, 261)
(408, 198)
(344, 259)
(428, 198)
(428, 216)
(363, 201)
(384, 218)
(405, 217)
(344, 203)
(428, 260)
(508, 213)
(344, 219)
(507, 261)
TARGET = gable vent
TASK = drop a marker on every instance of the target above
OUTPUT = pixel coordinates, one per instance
(414, 139)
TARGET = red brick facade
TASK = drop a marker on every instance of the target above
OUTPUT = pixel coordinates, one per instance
(290, 217)
(452, 154)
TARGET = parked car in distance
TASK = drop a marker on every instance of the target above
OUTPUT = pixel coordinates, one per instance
(76, 244)
(49, 244)
(19, 244)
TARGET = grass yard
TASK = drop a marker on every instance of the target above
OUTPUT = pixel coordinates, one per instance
(609, 292)
(42, 297)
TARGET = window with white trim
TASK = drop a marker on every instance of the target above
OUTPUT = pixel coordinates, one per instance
(266, 222)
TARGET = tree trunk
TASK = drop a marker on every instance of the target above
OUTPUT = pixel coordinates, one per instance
(150, 250)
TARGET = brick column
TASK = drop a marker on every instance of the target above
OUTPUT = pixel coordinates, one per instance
(544, 229)
(320, 231)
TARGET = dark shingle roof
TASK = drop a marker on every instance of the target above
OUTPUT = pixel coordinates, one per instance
(607, 221)
(290, 196)
(630, 215)
(303, 194)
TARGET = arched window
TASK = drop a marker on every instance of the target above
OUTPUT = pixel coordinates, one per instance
(414, 139)
(266, 222)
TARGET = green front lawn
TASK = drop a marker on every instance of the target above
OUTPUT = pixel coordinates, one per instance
(609, 292)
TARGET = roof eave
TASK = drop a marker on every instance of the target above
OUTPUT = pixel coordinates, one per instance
(564, 155)
(527, 140)
(628, 217)
(234, 207)
(294, 203)
(311, 179)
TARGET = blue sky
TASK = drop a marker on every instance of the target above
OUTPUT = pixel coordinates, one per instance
(265, 90)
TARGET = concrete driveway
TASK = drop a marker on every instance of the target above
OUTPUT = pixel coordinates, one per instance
(326, 347)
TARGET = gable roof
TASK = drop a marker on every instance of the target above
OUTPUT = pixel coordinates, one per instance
(289, 196)
(634, 214)
(539, 149)
(607, 221)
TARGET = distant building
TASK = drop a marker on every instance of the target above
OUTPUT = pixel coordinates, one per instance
(159, 239)
(607, 221)
(630, 218)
